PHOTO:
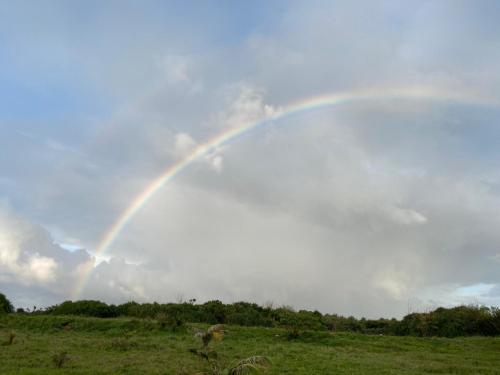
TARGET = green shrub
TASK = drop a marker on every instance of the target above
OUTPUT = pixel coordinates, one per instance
(87, 308)
(448, 322)
(457, 321)
(5, 305)
(173, 321)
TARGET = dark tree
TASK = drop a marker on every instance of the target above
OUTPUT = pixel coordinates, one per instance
(5, 305)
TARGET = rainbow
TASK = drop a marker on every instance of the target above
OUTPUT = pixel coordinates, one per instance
(317, 102)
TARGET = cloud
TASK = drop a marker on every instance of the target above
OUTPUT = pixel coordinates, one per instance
(29, 258)
(184, 145)
(244, 105)
(407, 217)
(216, 162)
(355, 209)
(41, 269)
(177, 70)
(18, 263)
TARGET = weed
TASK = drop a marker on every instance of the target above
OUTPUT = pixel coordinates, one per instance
(250, 365)
(60, 358)
(292, 333)
(10, 339)
(214, 333)
(245, 366)
(122, 344)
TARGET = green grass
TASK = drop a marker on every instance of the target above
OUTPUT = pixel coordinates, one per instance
(132, 346)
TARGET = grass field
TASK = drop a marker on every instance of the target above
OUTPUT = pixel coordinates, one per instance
(132, 346)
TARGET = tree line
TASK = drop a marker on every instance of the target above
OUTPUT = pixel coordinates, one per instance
(447, 322)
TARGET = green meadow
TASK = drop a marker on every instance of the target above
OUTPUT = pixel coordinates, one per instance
(79, 345)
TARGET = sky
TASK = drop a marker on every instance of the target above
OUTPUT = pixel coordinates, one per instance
(377, 206)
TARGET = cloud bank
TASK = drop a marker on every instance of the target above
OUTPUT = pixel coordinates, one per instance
(365, 209)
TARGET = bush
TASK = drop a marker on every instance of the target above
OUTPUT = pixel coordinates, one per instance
(5, 305)
(172, 321)
(87, 308)
(214, 312)
(457, 321)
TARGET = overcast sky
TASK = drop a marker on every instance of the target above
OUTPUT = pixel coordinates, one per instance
(371, 208)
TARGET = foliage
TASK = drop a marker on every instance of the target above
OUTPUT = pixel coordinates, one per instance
(10, 339)
(246, 366)
(122, 343)
(249, 314)
(250, 365)
(173, 321)
(60, 358)
(457, 321)
(89, 308)
(291, 321)
(5, 305)
(213, 333)
(214, 312)
(99, 346)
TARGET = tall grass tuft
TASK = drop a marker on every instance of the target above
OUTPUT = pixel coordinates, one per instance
(123, 343)
(250, 365)
(214, 333)
(10, 339)
(60, 358)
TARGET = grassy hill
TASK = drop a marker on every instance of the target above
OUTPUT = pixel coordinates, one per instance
(142, 346)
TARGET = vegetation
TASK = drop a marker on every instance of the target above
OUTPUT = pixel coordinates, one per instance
(248, 365)
(60, 358)
(253, 364)
(10, 338)
(214, 333)
(141, 346)
(5, 305)
(92, 337)
(453, 322)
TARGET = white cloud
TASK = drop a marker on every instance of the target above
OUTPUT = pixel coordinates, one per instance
(184, 145)
(40, 268)
(244, 105)
(216, 162)
(394, 282)
(29, 258)
(407, 216)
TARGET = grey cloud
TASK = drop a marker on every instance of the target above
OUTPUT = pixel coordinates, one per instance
(355, 209)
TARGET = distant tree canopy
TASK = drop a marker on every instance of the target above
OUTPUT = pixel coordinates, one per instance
(5, 305)
(452, 322)
(88, 308)
(458, 321)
